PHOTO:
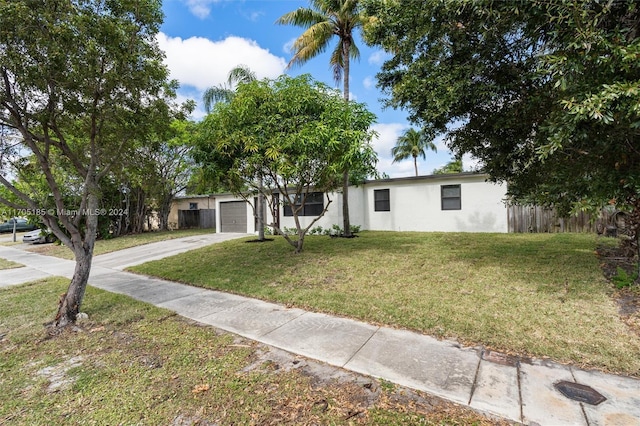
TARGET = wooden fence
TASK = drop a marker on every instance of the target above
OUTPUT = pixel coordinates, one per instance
(203, 218)
(524, 219)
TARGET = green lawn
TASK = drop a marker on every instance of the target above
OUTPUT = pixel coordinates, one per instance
(7, 264)
(132, 363)
(539, 295)
(119, 243)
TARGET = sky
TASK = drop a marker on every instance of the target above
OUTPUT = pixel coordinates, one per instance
(204, 39)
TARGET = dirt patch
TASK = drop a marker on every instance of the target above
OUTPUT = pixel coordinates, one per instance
(628, 299)
(356, 397)
(57, 374)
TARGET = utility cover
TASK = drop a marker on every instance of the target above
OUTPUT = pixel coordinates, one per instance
(581, 393)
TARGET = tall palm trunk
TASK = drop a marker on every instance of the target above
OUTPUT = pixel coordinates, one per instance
(415, 163)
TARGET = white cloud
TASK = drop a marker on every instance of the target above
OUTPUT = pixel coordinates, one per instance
(388, 134)
(200, 8)
(470, 163)
(288, 46)
(369, 82)
(202, 63)
(378, 57)
(255, 16)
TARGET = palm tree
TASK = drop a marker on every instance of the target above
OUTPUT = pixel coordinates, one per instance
(224, 93)
(412, 143)
(323, 20)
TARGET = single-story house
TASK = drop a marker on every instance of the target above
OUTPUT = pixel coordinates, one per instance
(192, 211)
(463, 202)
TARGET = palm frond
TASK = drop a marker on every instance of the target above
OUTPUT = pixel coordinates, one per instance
(311, 43)
(301, 17)
(241, 74)
(216, 94)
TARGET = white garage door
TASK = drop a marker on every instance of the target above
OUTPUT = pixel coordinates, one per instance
(233, 216)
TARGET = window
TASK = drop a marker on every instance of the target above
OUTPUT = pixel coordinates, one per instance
(313, 205)
(381, 200)
(193, 206)
(451, 199)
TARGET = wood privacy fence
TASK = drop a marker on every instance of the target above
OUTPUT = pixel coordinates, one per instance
(524, 219)
(203, 218)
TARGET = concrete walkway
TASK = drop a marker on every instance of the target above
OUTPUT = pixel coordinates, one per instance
(487, 381)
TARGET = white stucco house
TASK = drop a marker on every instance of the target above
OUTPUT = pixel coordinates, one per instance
(464, 202)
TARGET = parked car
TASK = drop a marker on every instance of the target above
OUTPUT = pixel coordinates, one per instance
(21, 225)
(39, 236)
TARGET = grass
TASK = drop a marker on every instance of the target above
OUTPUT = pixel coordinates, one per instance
(7, 264)
(119, 243)
(132, 363)
(540, 295)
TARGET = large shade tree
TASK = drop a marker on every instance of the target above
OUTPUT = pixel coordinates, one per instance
(80, 81)
(545, 93)
(323, 21)
(412, 144)
(295, 136)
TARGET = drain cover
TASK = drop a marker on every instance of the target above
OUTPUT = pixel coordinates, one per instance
(581, 393)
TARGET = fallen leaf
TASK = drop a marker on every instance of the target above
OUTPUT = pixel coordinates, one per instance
(200, 388)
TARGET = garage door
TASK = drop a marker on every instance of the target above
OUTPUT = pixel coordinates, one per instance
(233, 216)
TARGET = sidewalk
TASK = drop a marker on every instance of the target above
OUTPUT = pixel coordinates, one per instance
(487, 381)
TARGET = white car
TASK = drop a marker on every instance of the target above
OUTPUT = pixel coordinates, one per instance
(38, 236)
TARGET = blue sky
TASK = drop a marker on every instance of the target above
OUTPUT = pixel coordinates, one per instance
(204, 39)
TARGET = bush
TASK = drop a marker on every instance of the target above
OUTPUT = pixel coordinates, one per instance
(623, 278)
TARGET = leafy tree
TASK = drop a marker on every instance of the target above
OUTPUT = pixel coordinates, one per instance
(453, 166)
(545, 93)
(293, 134)
(324, 20)
(412, 144)
(171, 166)
(80, 81)
(224, 93)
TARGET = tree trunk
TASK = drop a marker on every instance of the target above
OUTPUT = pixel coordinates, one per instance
(415, 164)
(345, 204)
(163, 213)
(346, 223)
(71, 301)
(260, 212)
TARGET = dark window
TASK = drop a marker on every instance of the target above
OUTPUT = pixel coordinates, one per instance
(451, 199)
(193, 206)
(313, 205)
(381, 200)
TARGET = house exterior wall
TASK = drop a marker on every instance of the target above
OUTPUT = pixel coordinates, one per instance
(416, 205)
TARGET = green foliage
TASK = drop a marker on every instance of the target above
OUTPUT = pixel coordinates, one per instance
(336, 230)
(546, 94)
(623, 278)
(82, 82)
(323, 20)
(290, 135)
(453, 166)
